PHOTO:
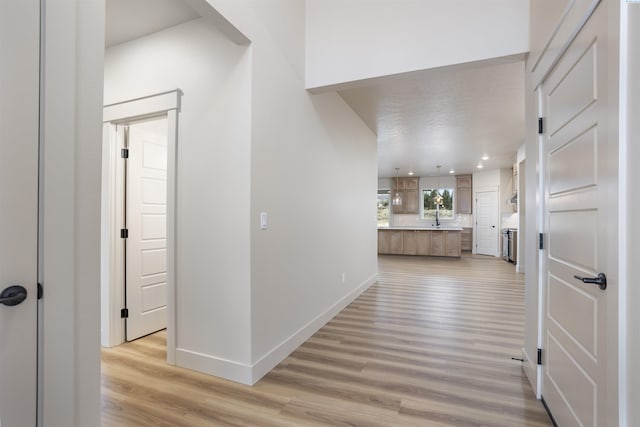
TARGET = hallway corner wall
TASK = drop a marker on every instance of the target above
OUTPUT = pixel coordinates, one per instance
(213, 173)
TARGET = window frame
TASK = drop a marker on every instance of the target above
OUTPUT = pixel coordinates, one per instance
(387, 192)
(440, 190)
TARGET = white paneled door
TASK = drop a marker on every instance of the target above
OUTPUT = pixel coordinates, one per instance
(19, 99)
(146, 213)
(487, 223)
(579, 207)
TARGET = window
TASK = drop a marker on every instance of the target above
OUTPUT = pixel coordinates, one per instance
(384, 201)
(429, 204)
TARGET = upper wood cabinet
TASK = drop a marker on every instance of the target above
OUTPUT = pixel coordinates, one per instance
(463, 194)
(408, 189)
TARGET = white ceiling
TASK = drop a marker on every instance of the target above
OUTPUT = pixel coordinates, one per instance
(450, 116)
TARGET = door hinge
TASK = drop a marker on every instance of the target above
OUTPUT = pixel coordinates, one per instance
(124, 313)
(541, 241)
(40, 291)
(124, 233)
(539, 356)
(540, 125)
(124, 153)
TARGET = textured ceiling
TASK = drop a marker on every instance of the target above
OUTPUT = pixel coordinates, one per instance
(131, 19)
(450, 116)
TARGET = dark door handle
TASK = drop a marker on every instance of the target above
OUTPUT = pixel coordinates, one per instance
(13, 295)
(601, 280)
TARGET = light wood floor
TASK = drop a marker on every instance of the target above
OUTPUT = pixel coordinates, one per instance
(429, 345)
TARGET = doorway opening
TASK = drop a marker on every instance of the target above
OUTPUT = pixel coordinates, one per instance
(138, 219)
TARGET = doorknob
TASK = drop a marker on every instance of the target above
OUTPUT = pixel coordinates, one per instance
(601, 280)
(13, 295)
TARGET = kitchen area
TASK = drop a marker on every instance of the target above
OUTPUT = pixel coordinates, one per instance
(440, 216)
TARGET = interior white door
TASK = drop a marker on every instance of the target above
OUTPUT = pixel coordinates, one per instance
(487, 223)
(579, 204)
(19, 77)
(146, 212)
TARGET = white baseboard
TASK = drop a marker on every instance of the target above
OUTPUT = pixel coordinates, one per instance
(271, 359)
(251, 374)
(227, 369)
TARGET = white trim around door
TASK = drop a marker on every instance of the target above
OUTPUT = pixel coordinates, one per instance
(112, 291)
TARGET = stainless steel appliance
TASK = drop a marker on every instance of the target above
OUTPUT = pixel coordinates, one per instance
(505, 244)
(510, 244)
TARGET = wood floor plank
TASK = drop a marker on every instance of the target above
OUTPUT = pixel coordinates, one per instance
(430, 344)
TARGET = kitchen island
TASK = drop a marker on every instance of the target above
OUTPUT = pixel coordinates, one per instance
(427, 241)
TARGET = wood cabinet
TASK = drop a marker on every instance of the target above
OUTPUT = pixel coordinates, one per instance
(463, 194)
(384, 237)
(390, 242)
(408, 189)
(409, 242)
(452, 243)
(466, 239)
(420, 242)
(438, 243)
(395, 242)
(423, 243)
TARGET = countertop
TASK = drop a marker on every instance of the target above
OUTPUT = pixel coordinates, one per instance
(441, 228)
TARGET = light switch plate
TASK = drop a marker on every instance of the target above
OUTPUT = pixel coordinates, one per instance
(263, 220)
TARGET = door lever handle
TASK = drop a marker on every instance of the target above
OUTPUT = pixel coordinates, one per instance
(13, 295)
(601, 280)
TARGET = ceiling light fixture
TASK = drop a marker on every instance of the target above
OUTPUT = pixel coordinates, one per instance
(480, 166)
(410, 173)
(397, 199)
(485, 157)
(452, 171)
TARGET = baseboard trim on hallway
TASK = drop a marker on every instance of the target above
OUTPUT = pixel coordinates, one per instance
(271, 359)
(251, 374)
(223, 368)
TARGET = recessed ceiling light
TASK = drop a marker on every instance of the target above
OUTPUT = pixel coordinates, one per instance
(485, 157)
(480, 166)
(410, 173)
(452, 171)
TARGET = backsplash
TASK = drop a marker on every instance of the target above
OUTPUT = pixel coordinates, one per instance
(413, 220)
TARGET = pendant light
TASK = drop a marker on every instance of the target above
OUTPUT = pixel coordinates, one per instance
(438, 199)
(397, 199)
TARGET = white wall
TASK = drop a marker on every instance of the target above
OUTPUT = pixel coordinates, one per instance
(314, 171)
(213, 180)
(253, 140)
(508, 218)
(350, 40)
(486, 180)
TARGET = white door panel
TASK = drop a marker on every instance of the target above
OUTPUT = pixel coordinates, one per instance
(146, 266)
(577, 209)
(19, 77)
(486, 223)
